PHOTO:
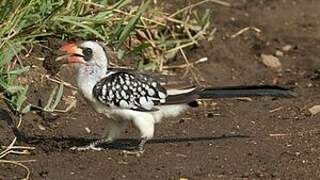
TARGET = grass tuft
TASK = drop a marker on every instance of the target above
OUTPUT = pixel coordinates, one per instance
(152, 36)
(145, 32)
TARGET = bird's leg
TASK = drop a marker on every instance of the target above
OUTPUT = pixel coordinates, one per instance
(115, 128)
(145, 123)
(138, 151)
(141, 144)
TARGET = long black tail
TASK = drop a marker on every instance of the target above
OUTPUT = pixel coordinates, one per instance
(246, 91)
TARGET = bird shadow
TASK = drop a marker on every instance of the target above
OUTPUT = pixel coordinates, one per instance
(64, 143)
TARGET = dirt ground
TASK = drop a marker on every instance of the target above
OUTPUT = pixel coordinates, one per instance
(227, 139)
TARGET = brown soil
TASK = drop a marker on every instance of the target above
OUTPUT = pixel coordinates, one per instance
(231, 139)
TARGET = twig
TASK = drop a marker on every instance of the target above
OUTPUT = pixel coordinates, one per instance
(18, 163)
(276, 109)
(20, 147)
(244, 30)
(24, 152)
(71, 105)
(47, 107)
(150, 39)
(279, 135)
(223, 3)
(11, 149)
(189, 66)
(142, 17)
(92, 3)
(113, 65)
(177, 21)
(60, 81)
(180, 47)
(187, 29)
(198, 4)
(204, 59)
(20, 121)
(55, 110)
(29, 51)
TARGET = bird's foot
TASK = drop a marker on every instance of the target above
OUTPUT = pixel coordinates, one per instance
(92, 146)
(137, 152)
(86, 148)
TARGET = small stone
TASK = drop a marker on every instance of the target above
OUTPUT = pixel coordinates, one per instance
(309, 85)
(275, 174)
(41, 127)
(279, 53)
(271, 61)
(87, 130)
(287, 47)
(314, 109)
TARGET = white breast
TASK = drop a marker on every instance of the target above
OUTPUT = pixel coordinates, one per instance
(88, 76)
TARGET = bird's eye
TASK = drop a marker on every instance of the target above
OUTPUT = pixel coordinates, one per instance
(87, 53)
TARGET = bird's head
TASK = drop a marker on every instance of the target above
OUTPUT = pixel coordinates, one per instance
(86, 53)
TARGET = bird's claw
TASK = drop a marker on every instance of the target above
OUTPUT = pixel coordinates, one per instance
(86, 148)
(92, 146)
(136, 153)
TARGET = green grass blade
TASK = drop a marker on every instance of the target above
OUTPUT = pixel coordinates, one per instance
(48, 106)
(68, 20)
(120, 4)
(58, 97)
(22, 96)
(19, 71)
(26, 109)
(131, 24)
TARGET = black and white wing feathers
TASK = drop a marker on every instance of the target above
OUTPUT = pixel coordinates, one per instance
(130, 91)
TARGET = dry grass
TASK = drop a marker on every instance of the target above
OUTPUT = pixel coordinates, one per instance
(152, 36)
(12, 149)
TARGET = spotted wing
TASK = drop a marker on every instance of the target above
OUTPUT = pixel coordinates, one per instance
(129, 91)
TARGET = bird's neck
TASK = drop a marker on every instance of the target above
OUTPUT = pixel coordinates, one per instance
(88, 76)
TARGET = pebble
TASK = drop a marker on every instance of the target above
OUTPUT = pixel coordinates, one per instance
(279, 53)
(287, 47)
(271, 61)
(41, 127)
(87, 130)
(314, 109)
